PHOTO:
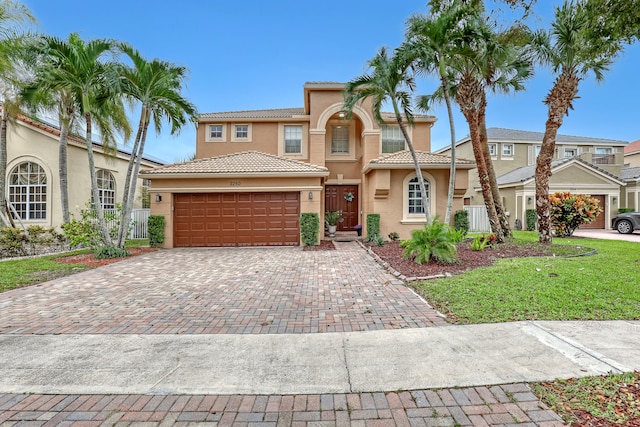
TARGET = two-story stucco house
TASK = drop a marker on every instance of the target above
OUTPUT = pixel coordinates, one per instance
(33, 180)
(581, 165)
(256, 171)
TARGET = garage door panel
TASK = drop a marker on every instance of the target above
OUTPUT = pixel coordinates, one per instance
(237, 219)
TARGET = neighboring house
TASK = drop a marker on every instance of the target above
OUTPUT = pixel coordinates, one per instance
(256, 171)
(581, 165)
(631, 194)
(33, 183)
(632, 154)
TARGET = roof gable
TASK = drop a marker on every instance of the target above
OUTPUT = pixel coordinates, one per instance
(526, 174)
(404, 159)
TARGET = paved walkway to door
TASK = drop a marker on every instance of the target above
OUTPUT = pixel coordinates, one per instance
(221, 291)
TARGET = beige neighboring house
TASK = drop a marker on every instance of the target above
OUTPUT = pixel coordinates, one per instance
(632, 154)
(256, 171)
(33, 183)
(581, 165)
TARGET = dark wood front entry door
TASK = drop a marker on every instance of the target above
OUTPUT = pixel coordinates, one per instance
(336, 199)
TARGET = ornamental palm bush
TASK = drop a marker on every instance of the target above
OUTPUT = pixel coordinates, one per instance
(435, 241)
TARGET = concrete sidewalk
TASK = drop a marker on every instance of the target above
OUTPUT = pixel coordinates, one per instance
(350, 362)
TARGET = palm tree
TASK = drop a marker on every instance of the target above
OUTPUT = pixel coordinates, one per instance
(156, 85)
(86, 75)
(434, 41)
(13, 15)
(389, 81)
(572, 51)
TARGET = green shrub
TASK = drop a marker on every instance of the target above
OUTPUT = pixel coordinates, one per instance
(155, 227)
(376, 240)
(37, 239)
(435, 241)
(461, 222)
(13, 242)
(532, 219)
(373, 225)
(393, 236)
(106, 252)
(625, 210)
(309, 226)
(84, 230)
(478, 243)
(570, 211)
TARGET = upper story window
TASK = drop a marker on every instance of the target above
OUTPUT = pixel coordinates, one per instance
(215, 132)
(242, 131)
(507, 150)
(604, 156)
(570, 152)
(493, 150)
(392, 139)
(28, 191)
(340, 140)
(414, 196)
(106, 189)
(293, 139)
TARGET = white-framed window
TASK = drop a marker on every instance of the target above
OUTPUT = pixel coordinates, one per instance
(507, 150)
(292, 139)
(340, 140)
(414, 196)
(106, 189)
(215, 131)
(392, 139)
(493, 150)
(242, 131)
(570, 152)
(28, 191)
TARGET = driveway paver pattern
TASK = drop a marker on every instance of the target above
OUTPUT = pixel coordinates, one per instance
(221, 291)
(239, 291)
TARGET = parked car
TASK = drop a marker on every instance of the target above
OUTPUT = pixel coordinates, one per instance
(626, 222)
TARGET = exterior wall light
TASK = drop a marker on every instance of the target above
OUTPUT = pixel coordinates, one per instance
(310, 195)
(158, 198)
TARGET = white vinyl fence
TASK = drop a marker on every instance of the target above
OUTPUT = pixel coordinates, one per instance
(478, 219)
(138, 225)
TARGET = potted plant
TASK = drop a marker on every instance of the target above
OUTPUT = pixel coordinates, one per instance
(332, 218)
(358, 229)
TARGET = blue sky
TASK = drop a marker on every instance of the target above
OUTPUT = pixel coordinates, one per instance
(247, 54)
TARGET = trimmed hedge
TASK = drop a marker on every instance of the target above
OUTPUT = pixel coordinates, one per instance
(532, 219)
(309, 226)
(461, 221)
(156, 230)
(373, 225)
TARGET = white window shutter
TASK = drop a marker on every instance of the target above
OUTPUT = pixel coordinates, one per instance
(531, 154)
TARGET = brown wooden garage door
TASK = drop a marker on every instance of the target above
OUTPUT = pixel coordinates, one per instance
(236, 219)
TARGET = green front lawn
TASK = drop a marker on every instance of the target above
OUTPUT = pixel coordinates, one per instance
(597, 287)
(24, 272)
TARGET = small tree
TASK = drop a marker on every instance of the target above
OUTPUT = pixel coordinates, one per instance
(570, 211)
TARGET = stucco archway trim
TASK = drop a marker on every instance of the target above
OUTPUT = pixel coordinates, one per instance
(336, 108)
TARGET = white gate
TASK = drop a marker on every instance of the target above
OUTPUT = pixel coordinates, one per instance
(478, 219)
(139, 220)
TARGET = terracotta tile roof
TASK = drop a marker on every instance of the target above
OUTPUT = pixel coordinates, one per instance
(404, 157)
(632, 147)
(55, 131)
(278, 113)
(244, 163)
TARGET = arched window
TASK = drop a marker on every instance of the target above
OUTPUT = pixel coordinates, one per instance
(106, 189)
(28, 191)
(414, 196)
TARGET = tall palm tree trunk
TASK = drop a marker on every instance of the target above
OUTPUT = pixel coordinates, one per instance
(62, 170)
(491, 175)
(102, 225)
(452, 133)
(127, 195)
(559, 100)
(3, 163)
(416, 164)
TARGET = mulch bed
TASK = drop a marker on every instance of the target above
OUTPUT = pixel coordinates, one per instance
(467, 259)
(325, 245)
(91, 261)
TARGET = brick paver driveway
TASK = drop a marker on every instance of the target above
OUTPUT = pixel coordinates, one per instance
(221, 290)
